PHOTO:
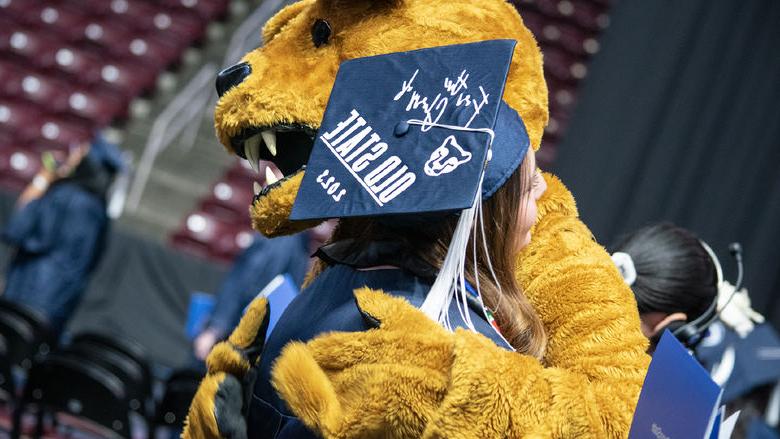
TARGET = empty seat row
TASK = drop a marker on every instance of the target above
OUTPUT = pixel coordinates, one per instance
(219, 228)
(91, 384)
(588, 14)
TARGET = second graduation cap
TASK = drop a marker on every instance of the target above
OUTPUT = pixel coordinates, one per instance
(412, 132)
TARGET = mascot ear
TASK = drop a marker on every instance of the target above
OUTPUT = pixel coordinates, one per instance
(280, 20)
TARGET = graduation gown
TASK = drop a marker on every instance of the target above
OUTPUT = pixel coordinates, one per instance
(328, 304)
(58, 239)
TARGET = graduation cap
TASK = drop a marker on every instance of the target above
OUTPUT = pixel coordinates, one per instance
(416, 134)
(741, 363)
(409, 133)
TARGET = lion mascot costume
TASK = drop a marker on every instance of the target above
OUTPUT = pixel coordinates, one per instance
(408, 377)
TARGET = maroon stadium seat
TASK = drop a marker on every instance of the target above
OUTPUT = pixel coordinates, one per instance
(46, 91)
(208, 10)
(125, 42)
(50, 16)
(26, 43)
(17, 168)
(100, 105)
(85, 65)
(181, 26)
(127, 77)
(576, 40)
(589, 14)
(561, 65)
(534, 21)
(229, 200)
(241, 172)
(208, 236)
(61, 132)
(19, 118)
(16, 8)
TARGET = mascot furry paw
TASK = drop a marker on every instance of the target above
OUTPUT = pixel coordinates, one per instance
(588, 382)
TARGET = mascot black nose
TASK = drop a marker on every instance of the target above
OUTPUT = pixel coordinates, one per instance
(232, 76)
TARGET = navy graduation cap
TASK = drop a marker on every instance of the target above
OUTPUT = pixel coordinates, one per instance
(412, 132)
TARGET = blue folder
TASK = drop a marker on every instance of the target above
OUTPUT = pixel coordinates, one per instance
(678, 398)
(280, 292)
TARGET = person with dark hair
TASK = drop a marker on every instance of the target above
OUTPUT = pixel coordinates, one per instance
(59, 230)
(677, 281)
(672, 274)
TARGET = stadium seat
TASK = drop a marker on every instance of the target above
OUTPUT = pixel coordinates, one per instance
(27, 340)
(229, 201)
(59, 132)
(127, 77)
(26, 43)
(180, 388)
(121, 345)
(19, 118)
(7, 383)
(589, 15)
(90, 394)
(183, 26)
(46, 91)
(562, 65)
(208, 10)
(58, 95)
(97, 104)
(137, 386)
(242, 172)
(17, 8)
(209, 236)
(17, 167)
(83, 64)
(50, 16)
(11, 77)
(125, 42)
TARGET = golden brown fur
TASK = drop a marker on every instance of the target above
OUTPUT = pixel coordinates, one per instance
(410, 378)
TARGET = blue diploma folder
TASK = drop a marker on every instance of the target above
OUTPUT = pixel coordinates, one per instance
(280, 292)
(678, 398)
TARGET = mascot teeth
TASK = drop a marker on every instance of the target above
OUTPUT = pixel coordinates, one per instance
(269, 137)
(270, 177)
(252, 151)
(256, 187)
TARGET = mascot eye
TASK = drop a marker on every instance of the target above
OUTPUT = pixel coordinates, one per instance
(320, 32)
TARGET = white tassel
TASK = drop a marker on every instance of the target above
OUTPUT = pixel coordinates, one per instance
(451, 279)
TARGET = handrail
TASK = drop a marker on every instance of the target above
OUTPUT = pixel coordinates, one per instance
(180, 111)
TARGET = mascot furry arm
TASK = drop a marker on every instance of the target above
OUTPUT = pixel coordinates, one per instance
(410, 378)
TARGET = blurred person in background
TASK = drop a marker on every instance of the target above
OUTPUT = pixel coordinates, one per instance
(253, 269)
(675, 279)
(58, 231)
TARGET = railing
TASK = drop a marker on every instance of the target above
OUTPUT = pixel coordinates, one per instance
(189, 104)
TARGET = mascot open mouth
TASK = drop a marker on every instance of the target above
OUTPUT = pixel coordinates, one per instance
(286, 145)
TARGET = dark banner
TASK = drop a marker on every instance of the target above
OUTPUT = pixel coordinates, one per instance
(678, 121)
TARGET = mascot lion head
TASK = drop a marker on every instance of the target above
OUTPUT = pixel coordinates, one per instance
(272, 102)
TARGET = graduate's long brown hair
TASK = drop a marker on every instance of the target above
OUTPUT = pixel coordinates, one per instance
(518, 320)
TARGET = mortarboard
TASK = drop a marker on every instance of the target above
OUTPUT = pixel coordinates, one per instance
(410, 135)
(755, 358)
